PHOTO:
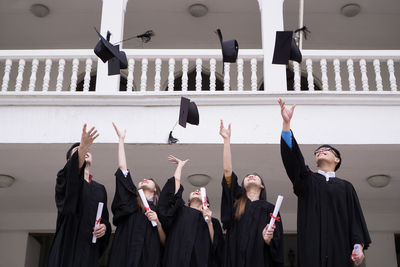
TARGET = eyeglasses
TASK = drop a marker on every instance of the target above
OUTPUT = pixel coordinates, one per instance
(324, 149)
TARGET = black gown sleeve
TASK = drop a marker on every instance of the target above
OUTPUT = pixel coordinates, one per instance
(295, 166)
(218, 244)
(276, 245)
(229, 195)
(125, 198)
(358, 226)
(105, 220)
(69, 185)
(170, 203)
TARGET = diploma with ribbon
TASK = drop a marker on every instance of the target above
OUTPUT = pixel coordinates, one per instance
(356, 253)
(204, 201)
(274, 215)
(146, 204)
(98, 219)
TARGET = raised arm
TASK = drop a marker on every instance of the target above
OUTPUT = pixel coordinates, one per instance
(87, 139)
(178, 170)
(287, 114)
(121, 148)
(227, 156)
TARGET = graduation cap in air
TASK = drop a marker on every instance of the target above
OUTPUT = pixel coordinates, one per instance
(286, 48)
(188, 113)
(108, 52)
(230, 48)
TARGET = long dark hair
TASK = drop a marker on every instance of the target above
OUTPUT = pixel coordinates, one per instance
(155, 197)
(240, 203)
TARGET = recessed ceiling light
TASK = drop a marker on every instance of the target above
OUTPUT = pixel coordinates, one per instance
(6, 180)
(378, 180)
(199, 180)
(198, 10)
(39, 10)
(350, 10)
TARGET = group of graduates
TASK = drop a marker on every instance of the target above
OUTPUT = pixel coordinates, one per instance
(172, 234)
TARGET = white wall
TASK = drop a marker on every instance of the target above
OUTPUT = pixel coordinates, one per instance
(382, 251)
(13, 248)
(255, 118)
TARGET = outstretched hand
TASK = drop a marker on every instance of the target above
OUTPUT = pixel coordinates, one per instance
(177, 161)
(121, 135)
(287, 113)
(225, 132)
(87, 138)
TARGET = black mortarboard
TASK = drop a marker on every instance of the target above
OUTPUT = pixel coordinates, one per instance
(70, 150)
(230, 48)
(286, 48)
(188, 113)
(108, 52)
(337, 154)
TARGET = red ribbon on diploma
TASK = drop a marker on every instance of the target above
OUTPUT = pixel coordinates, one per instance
(147, 209)
(277, 218)
(98, 221)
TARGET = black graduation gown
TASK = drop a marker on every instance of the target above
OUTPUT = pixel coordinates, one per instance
(188, 241)
(244, 244)
(77, 202)
(329, 217)
(136, 242)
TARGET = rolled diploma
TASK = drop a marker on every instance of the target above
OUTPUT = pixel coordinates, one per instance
(276, 210)
(98, 219)
(146, 204)
(204, 200)
(356, 252)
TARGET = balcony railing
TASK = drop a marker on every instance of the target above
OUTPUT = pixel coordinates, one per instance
(60, 71)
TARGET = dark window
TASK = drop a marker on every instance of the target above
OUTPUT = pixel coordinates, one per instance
(205, 82)
(92, 86)
(397, 244)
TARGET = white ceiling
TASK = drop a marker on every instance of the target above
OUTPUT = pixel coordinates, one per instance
(35, 167)
(70, 24)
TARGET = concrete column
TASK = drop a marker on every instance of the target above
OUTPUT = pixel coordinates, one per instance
(382, 251)
(112, 19)
(13, 248)
(272, 21)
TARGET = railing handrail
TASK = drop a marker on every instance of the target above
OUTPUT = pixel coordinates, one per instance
(353, 54)
(147, 53)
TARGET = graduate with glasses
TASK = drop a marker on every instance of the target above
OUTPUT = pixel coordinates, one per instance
(330, 221)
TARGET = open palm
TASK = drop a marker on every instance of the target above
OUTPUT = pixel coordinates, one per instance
(287, 113)
(225, 132)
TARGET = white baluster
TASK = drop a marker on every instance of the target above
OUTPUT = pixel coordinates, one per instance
(364, 77)
(253, 64)
(338, 79)
(392, 77)
(157, 78)
(213, 66)
(297, 76)
(6, 77)
(227, 77)
(60, 77)
(240, 74)
(88, 69)
(171, 72)
(74, 76)
(46, 77)
(185, 68)
(352, 80)
(20, 76)
(324, 76)
(310, 77)
(378, 77)
(143, 79)
(131, 68)
(32, 79)
(199, 63)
